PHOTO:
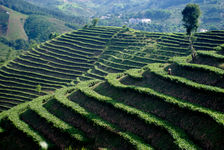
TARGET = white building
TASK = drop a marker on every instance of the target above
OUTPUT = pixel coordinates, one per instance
(203, 30)
(138, 20)
(146, 20)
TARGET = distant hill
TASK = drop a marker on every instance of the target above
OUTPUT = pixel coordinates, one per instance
(18, 30)
(165, 15)
(16, 21)
(52, 17)
(15, 28)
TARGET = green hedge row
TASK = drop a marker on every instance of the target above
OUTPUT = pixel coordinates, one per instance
(53, 63)
(66, 52)
(46, 66)
(84, 39)
(28, 91)
(63, 56)
(78, 42)
(13, 116)
(12, 99)
(30, 73)
(211, 54)
(98, 121)
(116, 65)
(65, 48)
(206, 89)
(107, 67)
(123, 61)
(182, 61)
(74, 45)
(29, 79)
(89, 36)
(57, 123)
(6, 81)
(113, 79)
(42, 70)
(179, 136)
(59, 59)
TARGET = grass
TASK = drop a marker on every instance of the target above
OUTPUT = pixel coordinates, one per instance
(178, 135)
(217, 116)
(16, 25)
(57, 123)
(13, 116)
(98, 121)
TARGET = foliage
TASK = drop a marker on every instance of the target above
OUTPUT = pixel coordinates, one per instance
(13, 116)
(154, 14)
(217, 116)
(211, 54)
(220, 48)
(38, 88)
(72, 26)
(191, 14)
(3, 21)
(95, 21)
(38, 28)
(53, 35)
(184, 62)
(75, 55)
(21, 44)
(17, 44)
(30, 9)
(135, 141)
(155, 69)
(177, 134)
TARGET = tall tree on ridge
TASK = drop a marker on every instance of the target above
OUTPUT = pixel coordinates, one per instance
(191, 14)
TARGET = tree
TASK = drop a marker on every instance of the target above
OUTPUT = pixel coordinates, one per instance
(191, 14)
(53, 35)
(95, 21)
(39, 88)
(20, 44)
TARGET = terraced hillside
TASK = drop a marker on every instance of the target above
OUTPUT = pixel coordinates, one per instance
(90, 53)
(140, 109)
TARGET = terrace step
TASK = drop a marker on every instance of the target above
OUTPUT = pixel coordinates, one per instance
(126, 117)
(94, 127)
(139, 96)
(185, 89)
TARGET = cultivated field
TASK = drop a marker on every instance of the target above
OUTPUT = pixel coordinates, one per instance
(113, 91)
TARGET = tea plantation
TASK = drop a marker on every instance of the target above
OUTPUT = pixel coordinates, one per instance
(109, 88)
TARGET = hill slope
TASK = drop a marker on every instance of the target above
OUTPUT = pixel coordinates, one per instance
(139, 109)
(165, 14)
(90, 53)
(16, 25)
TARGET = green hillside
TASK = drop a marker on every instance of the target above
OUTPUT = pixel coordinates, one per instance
(4, 21)
(16, 25)
(90, 53)
(19, 31)
(109, 87)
